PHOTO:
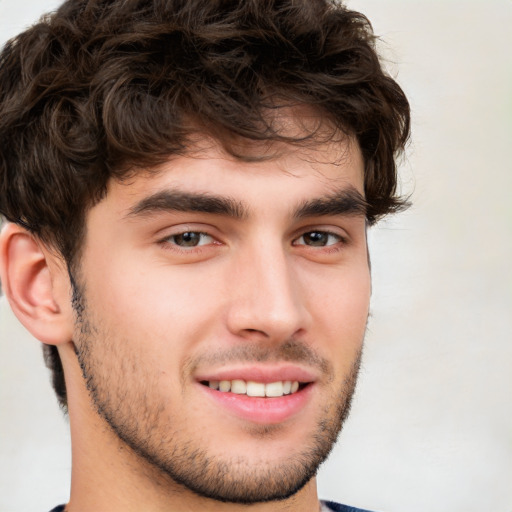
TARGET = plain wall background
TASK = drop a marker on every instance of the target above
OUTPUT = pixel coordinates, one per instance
(431, 426)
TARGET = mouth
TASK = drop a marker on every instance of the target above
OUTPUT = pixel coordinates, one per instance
(256, 389)
(258, 394)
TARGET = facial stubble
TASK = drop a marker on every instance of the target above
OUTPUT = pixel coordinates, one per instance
(147, 428)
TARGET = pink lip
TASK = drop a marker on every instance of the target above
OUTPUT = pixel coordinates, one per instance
(268, 411)
(264, 374)
(263, 411)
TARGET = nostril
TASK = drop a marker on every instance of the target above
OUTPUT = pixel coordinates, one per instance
(259, 332)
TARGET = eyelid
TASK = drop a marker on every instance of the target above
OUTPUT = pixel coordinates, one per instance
(186, 227)
(329, 230)
(200, 233)
(165, 236)
(338, 238)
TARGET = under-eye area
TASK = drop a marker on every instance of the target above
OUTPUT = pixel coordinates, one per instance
(256, 389)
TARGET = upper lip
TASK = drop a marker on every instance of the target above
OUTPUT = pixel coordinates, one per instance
(259, 373)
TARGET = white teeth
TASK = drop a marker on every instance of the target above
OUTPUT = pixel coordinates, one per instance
(224, 385)
(255, 388)
(274, 389)
(239, 387)
(258, 389)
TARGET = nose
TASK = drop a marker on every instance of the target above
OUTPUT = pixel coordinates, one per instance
(267, 302)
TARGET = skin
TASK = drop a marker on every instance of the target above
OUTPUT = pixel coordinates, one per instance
(266, 290)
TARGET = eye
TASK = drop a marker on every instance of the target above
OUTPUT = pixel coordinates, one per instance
(318, 239)
(190, 239)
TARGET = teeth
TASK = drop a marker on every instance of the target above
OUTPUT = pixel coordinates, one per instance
(274, 389)
(257, 389)
(239, 387)
(224, 385)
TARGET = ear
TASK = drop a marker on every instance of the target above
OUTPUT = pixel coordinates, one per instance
(36, 283)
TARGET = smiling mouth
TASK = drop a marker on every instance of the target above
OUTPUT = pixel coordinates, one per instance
(256, 389)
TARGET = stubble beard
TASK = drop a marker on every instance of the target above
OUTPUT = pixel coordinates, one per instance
(146, 427)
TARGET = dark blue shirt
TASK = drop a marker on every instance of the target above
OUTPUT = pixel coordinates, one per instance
(338, 507)
(335, 507)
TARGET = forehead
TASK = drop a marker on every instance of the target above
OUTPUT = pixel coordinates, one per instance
(249, 169)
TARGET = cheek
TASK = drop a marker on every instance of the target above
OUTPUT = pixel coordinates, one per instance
(340, 307)
(161, 304)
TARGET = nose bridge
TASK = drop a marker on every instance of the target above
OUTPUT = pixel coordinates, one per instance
(266, 299)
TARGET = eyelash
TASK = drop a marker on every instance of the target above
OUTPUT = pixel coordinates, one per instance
(169, 242)
(329, 234)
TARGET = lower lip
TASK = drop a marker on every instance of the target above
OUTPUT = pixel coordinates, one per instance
(268, 411)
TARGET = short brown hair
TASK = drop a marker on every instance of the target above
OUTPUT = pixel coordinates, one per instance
(103, 87)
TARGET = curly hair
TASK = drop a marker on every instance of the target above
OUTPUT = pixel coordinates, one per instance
(102, 88)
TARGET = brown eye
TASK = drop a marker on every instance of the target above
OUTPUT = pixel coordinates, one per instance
(318, 239)
(191, 239)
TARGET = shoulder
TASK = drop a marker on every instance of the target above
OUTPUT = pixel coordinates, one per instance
(338, 507)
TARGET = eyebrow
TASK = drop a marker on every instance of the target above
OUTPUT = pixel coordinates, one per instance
(341, 202)
(179, 201)
(347, 201)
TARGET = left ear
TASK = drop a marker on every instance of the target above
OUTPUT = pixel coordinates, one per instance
(36, 283)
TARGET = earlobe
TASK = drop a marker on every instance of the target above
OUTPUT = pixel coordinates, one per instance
(35, 286)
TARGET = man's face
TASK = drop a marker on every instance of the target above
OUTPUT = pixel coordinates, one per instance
(212, 283)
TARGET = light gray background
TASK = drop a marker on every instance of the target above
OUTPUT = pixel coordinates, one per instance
(431, 428)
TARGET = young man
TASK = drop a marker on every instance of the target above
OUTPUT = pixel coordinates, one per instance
(188, 186)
